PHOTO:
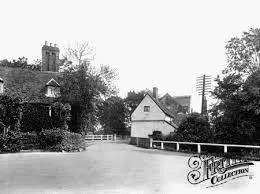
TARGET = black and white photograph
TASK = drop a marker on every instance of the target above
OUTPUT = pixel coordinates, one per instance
(129, 96)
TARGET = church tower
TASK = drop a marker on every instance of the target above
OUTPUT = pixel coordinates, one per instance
(50, 57)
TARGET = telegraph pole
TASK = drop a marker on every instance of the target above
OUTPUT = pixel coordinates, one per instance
(203, 86)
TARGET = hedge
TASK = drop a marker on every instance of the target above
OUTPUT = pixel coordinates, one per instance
(48, 140)
(10, 142)
(29, 141)
(61, 140)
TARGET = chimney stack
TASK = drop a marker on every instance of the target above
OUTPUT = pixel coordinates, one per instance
(46, 42)
(155, 92)
(50, 44)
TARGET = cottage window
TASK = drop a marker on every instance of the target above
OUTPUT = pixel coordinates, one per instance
(52, 91)
(146, 108)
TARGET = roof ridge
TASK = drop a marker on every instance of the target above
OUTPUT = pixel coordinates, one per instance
(52, 80)
(161, 106)
(172, 124)
(182, 96)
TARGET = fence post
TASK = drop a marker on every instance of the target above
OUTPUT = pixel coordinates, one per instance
(151, 142)
(101, 137)
(162, 145)
(225, 148)
(114, 137)
(199, 148)
(93, 137)
(177, 147)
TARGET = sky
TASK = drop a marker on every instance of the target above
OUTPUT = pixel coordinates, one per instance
(164, 44)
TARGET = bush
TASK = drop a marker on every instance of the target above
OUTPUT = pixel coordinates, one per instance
(29, 141)
(73, 142)
(61, 140)
(157, 135)
(195, 128)
(10, 142)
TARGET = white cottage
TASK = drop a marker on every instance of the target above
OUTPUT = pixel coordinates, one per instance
(150, 115)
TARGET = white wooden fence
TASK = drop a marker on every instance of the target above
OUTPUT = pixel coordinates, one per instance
(225, 146)
(100, 137)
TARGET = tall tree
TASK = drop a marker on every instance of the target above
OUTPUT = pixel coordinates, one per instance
(232, 118)
(84, 86)
(133, 99)
(113, 114)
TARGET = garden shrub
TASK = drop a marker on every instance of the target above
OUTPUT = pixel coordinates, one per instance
(61, 140)
(195, 128)
(157, 135)
(73, 142)
(51, 139)
(29, 141)
(10, 142)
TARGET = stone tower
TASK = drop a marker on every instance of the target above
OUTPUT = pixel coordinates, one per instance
(50, 57)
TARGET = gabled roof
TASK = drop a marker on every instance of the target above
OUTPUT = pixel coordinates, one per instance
(183, 100)
(53, 83)
(161, 106)
(172, 124)
(176, 104)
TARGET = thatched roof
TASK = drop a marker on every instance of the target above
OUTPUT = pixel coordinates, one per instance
(28, 84)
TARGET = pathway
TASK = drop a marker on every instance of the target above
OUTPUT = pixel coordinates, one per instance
(105, 168)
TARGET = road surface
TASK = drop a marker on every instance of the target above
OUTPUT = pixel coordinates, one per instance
(107, 168)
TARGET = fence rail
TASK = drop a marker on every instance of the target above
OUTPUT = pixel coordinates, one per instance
(225, 146)
(100, 137)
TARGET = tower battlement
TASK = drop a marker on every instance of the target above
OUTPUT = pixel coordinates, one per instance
(50, 57)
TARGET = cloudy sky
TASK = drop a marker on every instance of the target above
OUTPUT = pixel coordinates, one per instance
(160, 43)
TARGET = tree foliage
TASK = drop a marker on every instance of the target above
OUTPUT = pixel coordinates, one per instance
(84, 86)
(195, 128)
(35, 118)
(21, 62)
(113, 115)
(241, 55)
(10, 112)
(235, 116)
(133, 99)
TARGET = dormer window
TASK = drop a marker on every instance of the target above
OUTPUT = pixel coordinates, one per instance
(52, 89)
(1, 86)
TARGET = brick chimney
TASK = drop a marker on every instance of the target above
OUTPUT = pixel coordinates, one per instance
(155, 92)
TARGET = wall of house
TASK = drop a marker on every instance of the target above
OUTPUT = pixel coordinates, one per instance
(145, 128)
(155, 112)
